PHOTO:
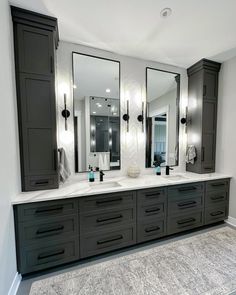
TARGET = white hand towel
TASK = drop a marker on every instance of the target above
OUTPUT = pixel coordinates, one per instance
(191, 154)
(64, 168)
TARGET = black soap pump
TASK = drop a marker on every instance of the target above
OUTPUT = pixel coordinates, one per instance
(91, 175)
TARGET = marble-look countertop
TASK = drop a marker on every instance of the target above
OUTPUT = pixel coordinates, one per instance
(77, 188)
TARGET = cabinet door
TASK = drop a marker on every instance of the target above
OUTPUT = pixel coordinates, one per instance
(208, 152)
(210, 86)
(35, 50)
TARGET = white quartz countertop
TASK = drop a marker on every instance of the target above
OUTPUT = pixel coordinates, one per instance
(77, 188)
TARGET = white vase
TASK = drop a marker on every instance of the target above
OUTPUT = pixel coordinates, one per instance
(133, 171)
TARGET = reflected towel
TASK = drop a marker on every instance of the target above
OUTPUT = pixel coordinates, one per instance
(64, 168)
(191, 154)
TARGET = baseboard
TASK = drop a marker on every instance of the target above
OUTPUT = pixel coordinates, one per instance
(231, 221)
(15, 284)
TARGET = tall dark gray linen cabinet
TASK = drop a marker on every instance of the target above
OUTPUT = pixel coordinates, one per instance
(35, 42)
(202, 114)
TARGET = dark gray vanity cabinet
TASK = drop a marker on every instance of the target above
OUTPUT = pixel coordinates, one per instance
(151, 214)
(185, 207)
(53, 233)
(47, 234)
(216, 200)
(202, 114)
(35, 42)
(107, 222)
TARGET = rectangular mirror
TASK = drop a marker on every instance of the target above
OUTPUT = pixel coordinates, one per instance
(162, 118)
(96, 112)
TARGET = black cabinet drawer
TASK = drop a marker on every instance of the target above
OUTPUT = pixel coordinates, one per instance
(151, 211)
(44, 256)
(104, 220)
(184, 204)
(31, 232)
(184, 222)
(216, 214)
(43, 182)
(221, 184)
(152, 196)
(106, 241)
(150, 230)
(46, 210)
(213, 198)
(186, 190)
(117, 200)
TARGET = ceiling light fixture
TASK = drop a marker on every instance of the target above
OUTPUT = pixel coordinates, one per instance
(74, 86)
(108, 90)
(166, 12)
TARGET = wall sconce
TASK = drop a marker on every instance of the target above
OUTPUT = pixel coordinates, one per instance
(140, 118)
(65, 113)
(126, 116)
(186, 120)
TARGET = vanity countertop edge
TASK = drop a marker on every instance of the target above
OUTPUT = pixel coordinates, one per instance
(75, 188)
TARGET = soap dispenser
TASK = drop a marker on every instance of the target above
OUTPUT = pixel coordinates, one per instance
(157, 168)
(91, 175)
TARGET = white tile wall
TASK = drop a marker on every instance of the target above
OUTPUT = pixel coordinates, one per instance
(133, 76)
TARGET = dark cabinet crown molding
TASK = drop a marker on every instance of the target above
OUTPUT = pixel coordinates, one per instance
(27, 17)
(204, 64)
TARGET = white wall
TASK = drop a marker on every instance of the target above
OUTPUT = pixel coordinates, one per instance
(132, 87)
(9, 163)
(226, 134)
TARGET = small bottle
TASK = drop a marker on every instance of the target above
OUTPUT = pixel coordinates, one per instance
(158, 170)
(91, 175)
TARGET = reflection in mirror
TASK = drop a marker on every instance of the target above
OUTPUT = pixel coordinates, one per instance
(162, 121)
(96, 113)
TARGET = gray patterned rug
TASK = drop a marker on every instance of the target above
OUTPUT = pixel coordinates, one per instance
(203, 264)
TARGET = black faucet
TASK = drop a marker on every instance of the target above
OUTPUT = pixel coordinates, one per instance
(101, 175)
(168, 170)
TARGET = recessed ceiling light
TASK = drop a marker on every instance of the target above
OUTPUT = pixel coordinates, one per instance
(99, 105)
(74, 86)
(166, 12)
(94, 112)
(108, 90)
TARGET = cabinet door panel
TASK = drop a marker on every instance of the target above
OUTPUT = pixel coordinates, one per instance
(210, 87)
(38, 100)
(208, 154)
(209, 117)
(40, 151)
(35, 50)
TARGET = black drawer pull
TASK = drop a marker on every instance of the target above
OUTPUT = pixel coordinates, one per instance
(112, 239)
(189, 203)
(49, 230)
(217, 213)
(152, 210)
(214, 198)
(101, 202)
(109, 218)
(187, 220)
(48, 210)
(186, 189)
(151, 229)
(154, 195)
(218, 184)
(41, 182)
(51, 254)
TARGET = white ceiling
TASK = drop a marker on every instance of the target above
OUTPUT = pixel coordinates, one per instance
(159, 83)
(196, 28)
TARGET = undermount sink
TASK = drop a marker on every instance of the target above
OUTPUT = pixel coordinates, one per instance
(175, 177)
(104, 185)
